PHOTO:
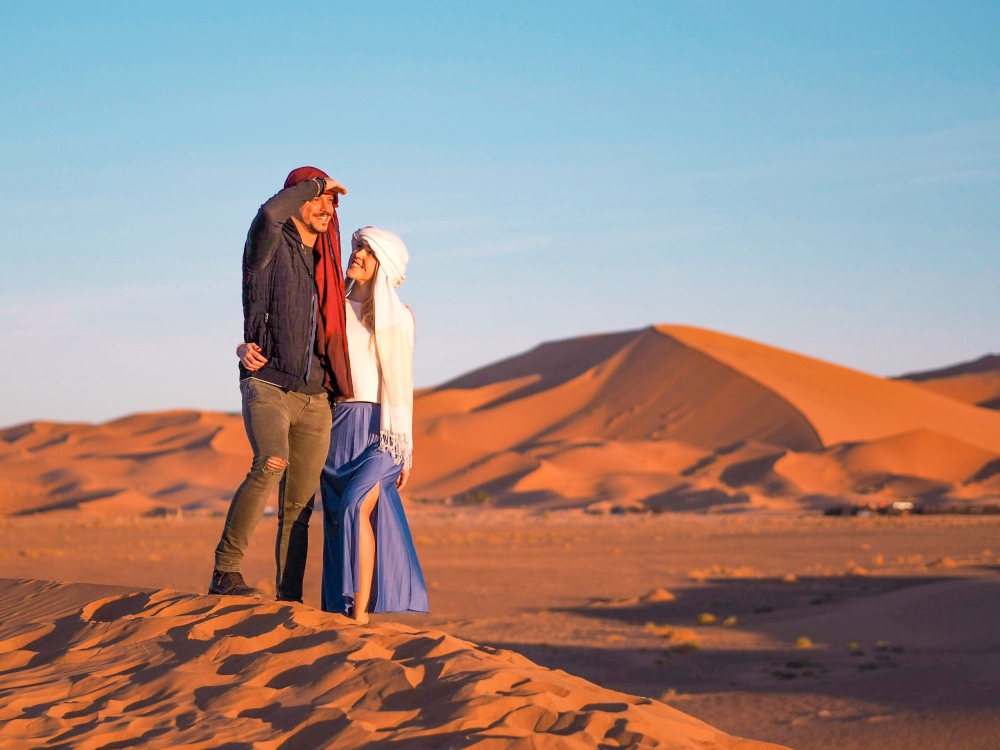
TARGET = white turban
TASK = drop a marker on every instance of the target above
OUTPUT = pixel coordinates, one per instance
(388, 248)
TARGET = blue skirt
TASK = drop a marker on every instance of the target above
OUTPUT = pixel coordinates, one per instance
(354, 465)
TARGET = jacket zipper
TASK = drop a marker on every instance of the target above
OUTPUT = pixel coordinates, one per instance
(312, 321)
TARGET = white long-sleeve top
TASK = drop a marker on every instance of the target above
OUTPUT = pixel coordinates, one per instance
(364, 358)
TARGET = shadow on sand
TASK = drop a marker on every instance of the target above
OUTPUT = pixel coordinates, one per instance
(879, 639)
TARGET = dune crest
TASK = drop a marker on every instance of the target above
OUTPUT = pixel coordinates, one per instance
(976, 382)
(97, 665)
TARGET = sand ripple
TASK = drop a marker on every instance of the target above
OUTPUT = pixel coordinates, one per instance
(91, 667)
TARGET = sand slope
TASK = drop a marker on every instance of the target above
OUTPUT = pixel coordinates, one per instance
(96, 666)
(976, 382)
(845, 405)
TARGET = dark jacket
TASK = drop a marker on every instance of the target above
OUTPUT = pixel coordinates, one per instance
(279, 289)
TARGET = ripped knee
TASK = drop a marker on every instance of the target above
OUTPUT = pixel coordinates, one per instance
(274, 465)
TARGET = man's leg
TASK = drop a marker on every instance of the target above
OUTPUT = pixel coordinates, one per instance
(308, 445)
(265, 415)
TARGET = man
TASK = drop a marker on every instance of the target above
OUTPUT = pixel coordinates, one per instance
(293, 321)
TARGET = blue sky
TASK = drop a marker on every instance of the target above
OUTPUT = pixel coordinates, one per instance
(821, 178)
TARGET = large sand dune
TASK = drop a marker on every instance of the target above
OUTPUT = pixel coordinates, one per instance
(96, 666)
(662, 418)
(976, 382)
(674, 417)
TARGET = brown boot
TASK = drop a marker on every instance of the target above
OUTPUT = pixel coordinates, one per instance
(227, 583)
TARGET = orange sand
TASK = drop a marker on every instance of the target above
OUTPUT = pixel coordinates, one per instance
(96, 666)
(664, 418)
(596, 582)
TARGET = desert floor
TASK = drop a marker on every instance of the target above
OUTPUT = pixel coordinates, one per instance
(900, 613)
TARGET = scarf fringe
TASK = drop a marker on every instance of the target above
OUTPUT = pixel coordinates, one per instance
(397, 446)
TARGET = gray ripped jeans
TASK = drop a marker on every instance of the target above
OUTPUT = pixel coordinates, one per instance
(290, 436)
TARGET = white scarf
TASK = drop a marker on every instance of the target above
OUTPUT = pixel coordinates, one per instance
(394, 335)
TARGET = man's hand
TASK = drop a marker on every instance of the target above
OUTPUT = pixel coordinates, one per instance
(404, 476)
(332, 186)
(250, 356)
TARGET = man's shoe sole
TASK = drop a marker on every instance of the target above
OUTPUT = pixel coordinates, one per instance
(248, 595)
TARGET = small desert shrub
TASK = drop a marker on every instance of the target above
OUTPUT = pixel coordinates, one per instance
(803, 642)
(663, 631)
(707, 618)
(730, 621)
(479, 497)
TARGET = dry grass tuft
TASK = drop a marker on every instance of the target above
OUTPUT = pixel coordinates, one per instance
(662, 631)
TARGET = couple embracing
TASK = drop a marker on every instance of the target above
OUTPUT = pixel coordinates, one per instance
(326, 377)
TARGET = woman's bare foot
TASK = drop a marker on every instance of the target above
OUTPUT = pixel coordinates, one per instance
(362, 620)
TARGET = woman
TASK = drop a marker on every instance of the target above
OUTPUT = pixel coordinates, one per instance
(369, 561)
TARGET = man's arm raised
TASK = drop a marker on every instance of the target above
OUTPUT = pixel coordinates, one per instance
(265, 232)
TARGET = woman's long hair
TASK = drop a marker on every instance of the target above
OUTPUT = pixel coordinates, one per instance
(368, 312)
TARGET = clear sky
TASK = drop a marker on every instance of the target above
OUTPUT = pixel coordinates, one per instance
(824, 178)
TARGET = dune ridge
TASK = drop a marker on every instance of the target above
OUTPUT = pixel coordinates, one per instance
(976, 382)
(845, 405)
(98, 666)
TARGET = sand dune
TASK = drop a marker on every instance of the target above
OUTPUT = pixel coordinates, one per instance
(845, 405)
(662, 418)
(146, 463)
(97, 666)
(674, 417)
(976, 382)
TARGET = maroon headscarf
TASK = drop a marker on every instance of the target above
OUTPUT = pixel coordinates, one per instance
(330, 295)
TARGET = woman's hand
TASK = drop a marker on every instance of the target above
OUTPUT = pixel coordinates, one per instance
(250, 356)
(404, 476)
